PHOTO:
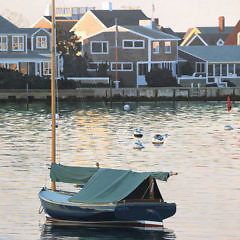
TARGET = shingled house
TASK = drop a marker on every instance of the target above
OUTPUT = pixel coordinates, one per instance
(212, 65)
(95, 21)
(139, 49)
(207, 36)
(26, 50)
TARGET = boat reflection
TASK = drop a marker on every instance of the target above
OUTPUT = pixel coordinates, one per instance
(92, 233)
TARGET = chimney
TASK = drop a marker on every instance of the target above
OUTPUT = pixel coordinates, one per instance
(221, 24)
(156, 21)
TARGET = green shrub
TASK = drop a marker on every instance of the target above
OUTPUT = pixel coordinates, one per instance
(161, 78)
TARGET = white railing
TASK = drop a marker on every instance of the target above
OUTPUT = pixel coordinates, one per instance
(91, 80)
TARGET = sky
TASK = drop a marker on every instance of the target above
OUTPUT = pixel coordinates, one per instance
(176, 14)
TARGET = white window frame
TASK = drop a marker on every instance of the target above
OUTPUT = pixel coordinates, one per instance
(20, 48)
(48, 69)
(201, 66)
(156, 50)
(238, 38)
(95, 70)
(220, 42)
(166, 47)
(133, 43)
(101, 42)
(41, 42)
(122, 67)
(1, 40)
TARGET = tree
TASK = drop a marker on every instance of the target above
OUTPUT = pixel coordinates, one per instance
(69, 47)
(161, 78)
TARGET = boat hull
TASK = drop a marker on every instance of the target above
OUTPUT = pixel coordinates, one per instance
(136, 215)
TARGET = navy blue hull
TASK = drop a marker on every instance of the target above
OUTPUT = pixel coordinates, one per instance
(130, 212)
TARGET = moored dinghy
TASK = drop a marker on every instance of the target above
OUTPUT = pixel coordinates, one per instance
(110, 197)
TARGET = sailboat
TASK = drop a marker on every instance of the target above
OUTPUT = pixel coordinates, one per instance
(107, 197)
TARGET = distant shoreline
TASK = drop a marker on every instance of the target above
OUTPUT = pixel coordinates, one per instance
(124, 94)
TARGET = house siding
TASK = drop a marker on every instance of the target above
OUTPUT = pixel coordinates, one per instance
(42, 33)
(162, 56)
(196, 42)
(128, 55)
(42, 23)
(232, 38)
(92, 23)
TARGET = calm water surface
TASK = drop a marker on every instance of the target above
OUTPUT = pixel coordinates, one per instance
(207, 189)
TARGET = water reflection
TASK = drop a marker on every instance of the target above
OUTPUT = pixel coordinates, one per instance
(197, 147)
(90, 233)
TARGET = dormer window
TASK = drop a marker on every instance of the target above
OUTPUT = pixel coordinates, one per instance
(41, 42)
(18, 43)
(3, 43)
(220, 42)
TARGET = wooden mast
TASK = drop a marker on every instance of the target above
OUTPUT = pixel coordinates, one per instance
(53, 97)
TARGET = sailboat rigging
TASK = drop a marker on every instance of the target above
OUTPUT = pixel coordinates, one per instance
(109, 197)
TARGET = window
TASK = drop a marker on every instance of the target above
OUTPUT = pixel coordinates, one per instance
(46, 68)
(168, 47)
(63, 11)
(121, 66)
(133, 44)
(18, 43)
(155, 46)
(238, 38)
(41, 42)
(99, 47)
(92, 66)
(3, 43)
(200, 67)
(59, 11)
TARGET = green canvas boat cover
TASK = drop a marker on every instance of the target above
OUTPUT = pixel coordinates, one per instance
(112, 185)
(67, 174)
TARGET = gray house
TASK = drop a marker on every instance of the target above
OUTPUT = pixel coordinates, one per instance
(26, 50)
(139, 49)
(212, 65)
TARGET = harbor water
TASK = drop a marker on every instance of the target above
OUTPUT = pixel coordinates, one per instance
(196, 146)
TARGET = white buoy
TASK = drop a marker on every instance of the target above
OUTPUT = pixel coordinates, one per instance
(126, 107)
(138, 133)
(56, 116)
(228, 127)
(157, 139)
(138, 145)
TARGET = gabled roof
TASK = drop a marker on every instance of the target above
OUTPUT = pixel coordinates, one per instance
(232, 38)
(205, 30)
(141, 31)
(8, 27)
(151, 33)
(208, 39)
(22, 56)
(214, 30)
(73, 18)
(124, 17)
(214, 54)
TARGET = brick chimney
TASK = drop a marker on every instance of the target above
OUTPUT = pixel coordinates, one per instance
(221, 24)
